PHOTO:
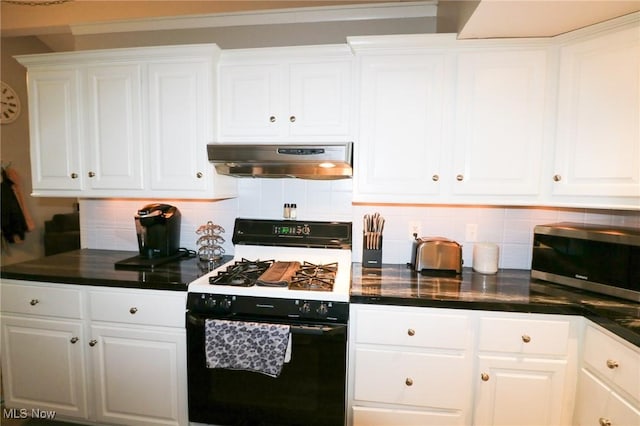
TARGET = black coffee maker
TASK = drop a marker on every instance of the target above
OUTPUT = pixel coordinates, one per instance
(158, 229)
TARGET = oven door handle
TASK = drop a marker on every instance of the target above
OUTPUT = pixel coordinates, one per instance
(315, 329)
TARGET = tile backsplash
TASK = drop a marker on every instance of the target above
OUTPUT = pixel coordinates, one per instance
(109, 224)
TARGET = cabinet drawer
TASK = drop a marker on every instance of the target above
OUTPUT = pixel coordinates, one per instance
(146, 308)
(40, 300)
(415, 328)
(526, 336)
(368, 416)
(613, 360)
(412, 378)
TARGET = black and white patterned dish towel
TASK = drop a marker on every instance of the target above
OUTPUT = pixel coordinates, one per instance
(243, 345)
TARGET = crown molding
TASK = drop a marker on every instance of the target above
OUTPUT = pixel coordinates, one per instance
(396, 10)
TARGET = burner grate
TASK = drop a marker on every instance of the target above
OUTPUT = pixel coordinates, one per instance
(243, 273)
(315, 277)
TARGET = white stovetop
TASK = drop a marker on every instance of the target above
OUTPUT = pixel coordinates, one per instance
(341, 287)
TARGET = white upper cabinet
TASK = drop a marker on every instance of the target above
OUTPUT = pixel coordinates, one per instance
(499, 121)
(55, 129)
(401, 126)
(449, 121)
(280, 94)
(114, 143)
(249, 98)
(124, 123)
(180, 124)
(598, 129)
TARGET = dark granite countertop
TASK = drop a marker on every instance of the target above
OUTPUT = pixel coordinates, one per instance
(97, 267)
(511, 290)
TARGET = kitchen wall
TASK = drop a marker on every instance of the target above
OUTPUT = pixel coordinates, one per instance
(109, 224)
(14, 148)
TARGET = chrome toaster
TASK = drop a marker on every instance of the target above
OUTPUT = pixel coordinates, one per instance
(436, 255)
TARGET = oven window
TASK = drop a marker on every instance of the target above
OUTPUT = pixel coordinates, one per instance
(309, 391)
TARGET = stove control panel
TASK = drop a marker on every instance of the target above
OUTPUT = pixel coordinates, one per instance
(219, 305)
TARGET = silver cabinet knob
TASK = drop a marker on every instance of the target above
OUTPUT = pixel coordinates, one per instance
(133, 310)
(435, 178)
(411, 332)
(34, 302)
(199, 175)
(74, 340)
(612, 364)
(93, 342)
(292, 119)
(604, 422)
(526, 338)
(557, 178)
(408, 381)
(272, 119)
(460, 178)
(484, 377)
(74, 176)
(91, 174)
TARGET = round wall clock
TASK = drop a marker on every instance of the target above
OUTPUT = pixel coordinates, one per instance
(10, 103)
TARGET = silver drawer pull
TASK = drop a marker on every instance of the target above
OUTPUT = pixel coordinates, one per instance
(526, 338)
(484, 377)
(611, 364)
(411, 332)
(34, 302)
(74, 340)
(133, 310)
(604, 422)
(408, 381)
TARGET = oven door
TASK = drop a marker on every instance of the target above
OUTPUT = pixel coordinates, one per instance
(309, 391)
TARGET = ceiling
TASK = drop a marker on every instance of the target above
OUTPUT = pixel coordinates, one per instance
(469, 18)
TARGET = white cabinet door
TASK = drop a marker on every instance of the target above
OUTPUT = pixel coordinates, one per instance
(250, 101)
(598, 128)
(499, 124)
(139, 375)
(55, 127)
(114, 121)
(398, 156)
(285, 96)
(43, 365)
(180, 123)
(597, 404)
(517, 391)
(319, 99)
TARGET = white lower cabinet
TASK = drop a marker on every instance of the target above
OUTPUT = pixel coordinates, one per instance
(95, 354)
(136, 375)
(525, 369)
(609, 381)
(516, 391)
(432, 366)
(409, 366)
(43, 366)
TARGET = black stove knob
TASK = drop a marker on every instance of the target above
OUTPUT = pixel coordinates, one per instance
(305, 308)
(322, 310)
(225, 304)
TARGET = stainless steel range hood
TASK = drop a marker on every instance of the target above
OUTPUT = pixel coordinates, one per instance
(304, 161)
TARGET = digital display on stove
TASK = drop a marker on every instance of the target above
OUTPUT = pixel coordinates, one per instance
(291, 233)
(291, 230)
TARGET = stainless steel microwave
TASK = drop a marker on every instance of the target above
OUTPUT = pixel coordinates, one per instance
(599, 258)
